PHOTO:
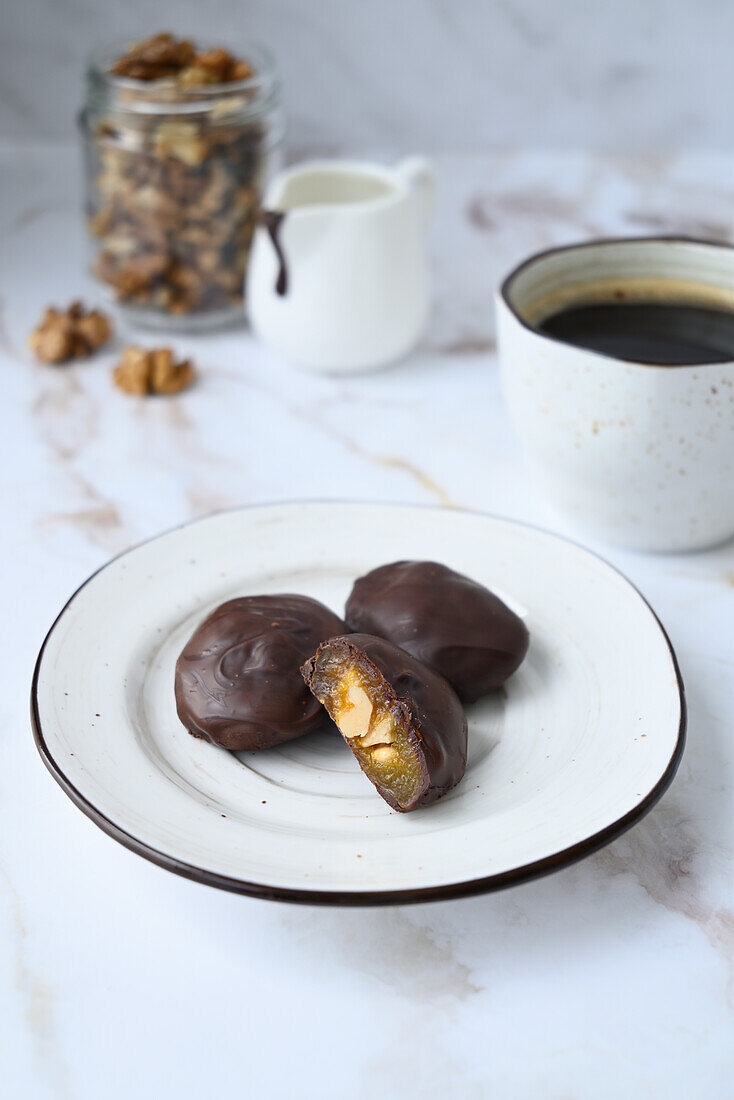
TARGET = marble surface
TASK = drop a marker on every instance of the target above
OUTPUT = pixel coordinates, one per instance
(419, 72)
(613, 978)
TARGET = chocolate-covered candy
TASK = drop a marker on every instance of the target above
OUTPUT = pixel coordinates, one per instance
(402, 720)
(451, 623)
(238, 680)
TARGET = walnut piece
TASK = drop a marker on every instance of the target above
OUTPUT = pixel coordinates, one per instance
(354, 718)
(155, 58)
(69, 334)
(163, 56)
(151, 371)
(382, 733)
(384, 754)
(182, 141)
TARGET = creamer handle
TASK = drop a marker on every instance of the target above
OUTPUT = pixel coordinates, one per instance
(271, 220)
(420, 174)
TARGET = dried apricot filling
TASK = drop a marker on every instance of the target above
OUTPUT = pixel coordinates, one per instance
(363, 706)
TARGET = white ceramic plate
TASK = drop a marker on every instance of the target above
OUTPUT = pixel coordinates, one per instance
(578, 746)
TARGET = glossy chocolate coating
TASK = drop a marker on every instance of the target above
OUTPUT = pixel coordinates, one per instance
(238, 682)
(426, 704)
(451, 623)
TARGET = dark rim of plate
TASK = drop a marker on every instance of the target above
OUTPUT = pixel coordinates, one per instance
(466, 888)
(600, 242)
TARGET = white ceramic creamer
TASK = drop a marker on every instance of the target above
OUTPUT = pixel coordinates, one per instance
(338, 275)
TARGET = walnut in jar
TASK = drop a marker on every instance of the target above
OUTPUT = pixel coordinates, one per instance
(178, 141)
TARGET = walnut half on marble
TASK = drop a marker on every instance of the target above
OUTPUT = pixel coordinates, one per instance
(73, 333)
(152, 371)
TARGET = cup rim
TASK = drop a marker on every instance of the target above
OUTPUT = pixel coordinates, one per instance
(503, 291)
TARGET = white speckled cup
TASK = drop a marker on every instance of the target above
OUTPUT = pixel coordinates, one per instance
(636, 454)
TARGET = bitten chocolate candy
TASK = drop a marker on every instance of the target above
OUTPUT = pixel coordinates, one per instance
(402, 721)
(238, 682)
(451, 623)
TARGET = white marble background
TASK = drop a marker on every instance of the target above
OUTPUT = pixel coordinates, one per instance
(614, 978)
(461, 74)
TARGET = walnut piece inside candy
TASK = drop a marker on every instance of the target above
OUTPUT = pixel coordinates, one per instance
(149, 371)
(69, 334)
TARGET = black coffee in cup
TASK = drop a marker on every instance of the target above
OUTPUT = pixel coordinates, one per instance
(667, 333)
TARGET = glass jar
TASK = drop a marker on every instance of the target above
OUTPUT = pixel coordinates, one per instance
(174, 176)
